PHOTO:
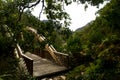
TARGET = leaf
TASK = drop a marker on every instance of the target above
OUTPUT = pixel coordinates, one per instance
(103, 53)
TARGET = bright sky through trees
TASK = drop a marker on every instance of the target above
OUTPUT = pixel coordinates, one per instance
(77, 12)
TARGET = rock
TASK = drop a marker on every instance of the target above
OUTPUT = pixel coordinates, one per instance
(60, 77)
(63, 77)
(44, 79)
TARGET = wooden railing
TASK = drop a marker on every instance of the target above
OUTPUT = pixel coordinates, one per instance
(28, 60)
(62, 57)
(49, 48)
(29, 64)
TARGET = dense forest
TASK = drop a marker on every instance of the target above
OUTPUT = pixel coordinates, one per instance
(93, 49)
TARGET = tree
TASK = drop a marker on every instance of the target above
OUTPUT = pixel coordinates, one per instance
(105, 48)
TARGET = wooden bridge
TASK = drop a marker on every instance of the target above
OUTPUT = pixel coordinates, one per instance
(43, 63)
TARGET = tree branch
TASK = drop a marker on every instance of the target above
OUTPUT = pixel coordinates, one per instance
(21, 12)
(42, 8)
(21, 8)
(37, 2)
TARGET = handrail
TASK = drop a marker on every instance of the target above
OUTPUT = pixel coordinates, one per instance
(61, 53)
(58, 57)
(41, 39)
(19, 50)
(28, 60)
(51, 52)
(20, 53)
(63, 58)
(53, 48)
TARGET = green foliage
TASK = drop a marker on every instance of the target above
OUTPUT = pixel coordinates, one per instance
(92, 2)
(74, 44)
(10, 30)
(102, 43)
(75, 73)
(111, 13)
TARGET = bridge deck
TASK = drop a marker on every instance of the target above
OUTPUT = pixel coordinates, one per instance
(44, 67)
